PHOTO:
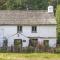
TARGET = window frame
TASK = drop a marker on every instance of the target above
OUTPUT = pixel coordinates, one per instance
(34, 29)
(17, 42)
(19, 29)
(46, 43)
(24, 40)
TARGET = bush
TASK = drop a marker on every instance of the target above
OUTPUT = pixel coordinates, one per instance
(58, 23)
(57, 50)
(29, 49)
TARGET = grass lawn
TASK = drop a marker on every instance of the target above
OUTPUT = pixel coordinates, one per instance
(29, 56)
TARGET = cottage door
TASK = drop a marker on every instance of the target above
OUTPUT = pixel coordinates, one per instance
(33, 42)
(18, 45)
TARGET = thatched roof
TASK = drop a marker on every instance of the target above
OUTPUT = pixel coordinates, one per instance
(30, 17)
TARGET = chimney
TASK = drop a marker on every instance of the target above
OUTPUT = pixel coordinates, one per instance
(50, 9)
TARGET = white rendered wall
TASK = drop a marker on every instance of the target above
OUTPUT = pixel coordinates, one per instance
(7, 31)
(47, 31)
(42, 31)
(52, 42)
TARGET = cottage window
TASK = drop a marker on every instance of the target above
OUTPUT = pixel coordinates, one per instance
(19, 29)
(34, 29)
(46, 43)
(17, 42)
(24, 40)
(5, 43)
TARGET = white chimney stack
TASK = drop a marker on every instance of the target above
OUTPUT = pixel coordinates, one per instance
(50, 9)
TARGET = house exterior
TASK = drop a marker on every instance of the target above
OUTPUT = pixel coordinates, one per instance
(27, 25)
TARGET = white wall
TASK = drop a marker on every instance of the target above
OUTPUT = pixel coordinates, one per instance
(42, 31)
(7, 31)
(52, 42)
(47, 31)
(10, 33)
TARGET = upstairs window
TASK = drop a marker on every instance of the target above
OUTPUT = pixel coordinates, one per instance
(34, 29)
(19, 29)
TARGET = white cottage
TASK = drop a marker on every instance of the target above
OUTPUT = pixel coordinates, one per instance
(25, 26)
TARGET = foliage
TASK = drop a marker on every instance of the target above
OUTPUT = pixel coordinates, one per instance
(58, 1)
(37, 4)
(30, 4)
(29, 49)
(57, 50)
(10, 4)
(58, 22)
(2, 4)
(23, 4)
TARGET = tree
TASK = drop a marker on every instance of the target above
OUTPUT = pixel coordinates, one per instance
(58, 22)
(15, 4)
(36, 4)
(23, 4)
(10, 4)
(58, 1)
(2, 2)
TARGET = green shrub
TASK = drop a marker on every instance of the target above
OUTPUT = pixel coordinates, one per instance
(58, 23)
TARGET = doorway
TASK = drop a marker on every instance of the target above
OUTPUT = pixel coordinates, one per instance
(33, 42)
(18, 45)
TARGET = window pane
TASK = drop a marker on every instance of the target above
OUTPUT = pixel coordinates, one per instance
(19, 28)
(24, 40)
(46, 43)
(5, 42)
(17, 42)
(34, 29)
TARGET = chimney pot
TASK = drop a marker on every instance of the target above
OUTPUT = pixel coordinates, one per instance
(50, 9)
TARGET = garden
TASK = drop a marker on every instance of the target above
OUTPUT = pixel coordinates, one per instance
(29, 56)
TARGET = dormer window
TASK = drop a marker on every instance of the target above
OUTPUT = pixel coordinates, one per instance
(19, 29)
